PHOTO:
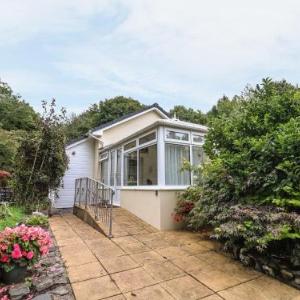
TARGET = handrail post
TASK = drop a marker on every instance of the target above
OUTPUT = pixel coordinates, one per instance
(86, 191)
(110, 214)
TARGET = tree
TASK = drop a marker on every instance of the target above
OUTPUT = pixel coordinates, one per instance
(8, 148)
(101, 113)
(41, 160)
(224, 107)
(250, 190)
(188, 114)
(15, 113)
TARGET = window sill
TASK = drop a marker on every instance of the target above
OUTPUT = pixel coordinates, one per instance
(155, 188)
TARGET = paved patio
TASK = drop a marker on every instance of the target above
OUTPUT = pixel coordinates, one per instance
(141, 262)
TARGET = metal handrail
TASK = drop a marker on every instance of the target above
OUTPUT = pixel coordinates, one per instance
(97, 197)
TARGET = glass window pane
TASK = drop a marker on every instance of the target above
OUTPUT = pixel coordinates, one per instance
(175, 155)
(130, 168)
(112, 168)
(175, 135)
(148, 165)
(147, 138)
(197, 138)
(197, 156)
(104, 171)
(130, 145)
(118, 174)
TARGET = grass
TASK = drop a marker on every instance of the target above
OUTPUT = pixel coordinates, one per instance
(11, 216)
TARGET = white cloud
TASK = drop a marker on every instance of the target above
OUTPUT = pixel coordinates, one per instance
(177, 52)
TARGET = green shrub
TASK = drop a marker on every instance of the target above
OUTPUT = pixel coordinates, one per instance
(251, 186)
(37, 220)
(10, 216)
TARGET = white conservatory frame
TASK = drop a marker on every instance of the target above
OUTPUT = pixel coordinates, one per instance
(160, 140)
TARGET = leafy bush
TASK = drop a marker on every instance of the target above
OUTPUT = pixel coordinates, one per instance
(10, 216)
(22, 246)
(41, 160)
(37, 220)
(250, 189)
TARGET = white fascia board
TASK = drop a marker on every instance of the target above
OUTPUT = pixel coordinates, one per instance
(100, 131)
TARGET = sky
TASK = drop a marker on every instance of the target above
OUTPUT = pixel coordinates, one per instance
(173, 52)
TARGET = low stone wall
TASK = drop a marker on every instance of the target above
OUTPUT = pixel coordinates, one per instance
(281, 268)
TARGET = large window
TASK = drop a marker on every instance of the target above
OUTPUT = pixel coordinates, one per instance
(148, 165)
(104, 171)
(175, 156)
(112, 167)
(130, 168)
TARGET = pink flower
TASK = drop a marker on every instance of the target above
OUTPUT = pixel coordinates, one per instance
(44, 250)
(16, 253)
(4, 258)
(5, 297)
(30, 255)
(25, 237)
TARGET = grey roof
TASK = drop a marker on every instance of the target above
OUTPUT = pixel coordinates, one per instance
(155, 105)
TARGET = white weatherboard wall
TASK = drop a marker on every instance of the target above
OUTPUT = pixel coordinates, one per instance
(81, 164)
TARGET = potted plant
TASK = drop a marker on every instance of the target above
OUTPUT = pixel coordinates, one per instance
(21, 247)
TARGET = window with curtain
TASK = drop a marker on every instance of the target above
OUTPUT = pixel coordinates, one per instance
(148, 165)
(104, 171)
(119, 167)
(175, 155)
(112, 167)
(130, 168)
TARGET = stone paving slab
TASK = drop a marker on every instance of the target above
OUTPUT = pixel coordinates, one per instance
(141, 262)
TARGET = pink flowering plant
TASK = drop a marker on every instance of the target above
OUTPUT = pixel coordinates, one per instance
(22, 246)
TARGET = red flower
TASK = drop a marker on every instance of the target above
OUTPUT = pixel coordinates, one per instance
(16, 253)
(30, 255)
(4, 258)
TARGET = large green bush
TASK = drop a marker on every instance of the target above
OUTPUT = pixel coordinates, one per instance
(250, 188)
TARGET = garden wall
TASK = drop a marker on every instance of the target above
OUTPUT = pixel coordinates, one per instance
(281, 268)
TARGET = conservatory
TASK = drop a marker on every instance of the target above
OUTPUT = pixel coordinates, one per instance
(146, 169)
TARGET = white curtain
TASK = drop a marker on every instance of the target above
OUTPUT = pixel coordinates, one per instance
(175, 155)
(104, 171)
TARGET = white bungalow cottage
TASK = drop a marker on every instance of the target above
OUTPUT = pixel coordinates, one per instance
(140, 156)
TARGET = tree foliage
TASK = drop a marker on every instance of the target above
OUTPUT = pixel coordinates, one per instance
(188, 114)
(15, 113)
(16, 118)
(101, 113)
(253, 169)
(41, 160)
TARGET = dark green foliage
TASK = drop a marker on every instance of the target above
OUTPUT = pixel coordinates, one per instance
(188, 114)
(16, 119)
(101, 113)
(41, 160)
(250, 187)
(8, 148)
(15, 113)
